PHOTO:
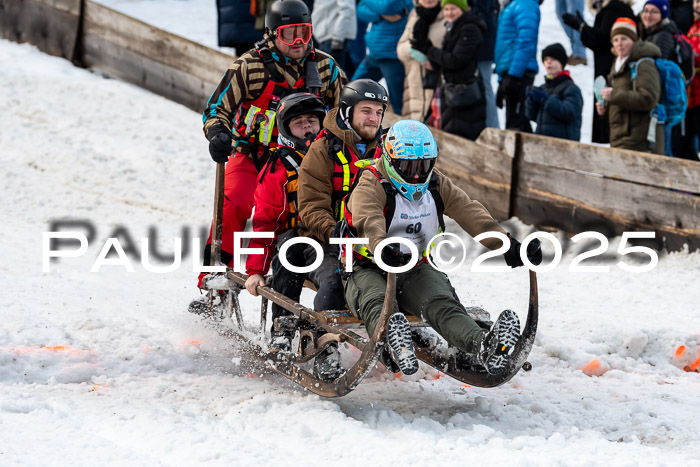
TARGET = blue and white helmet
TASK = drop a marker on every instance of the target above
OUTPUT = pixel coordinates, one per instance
(409, 154)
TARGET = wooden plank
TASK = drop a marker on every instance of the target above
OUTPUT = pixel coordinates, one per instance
(631, 201)
(558, 198)
(633, 166)
(166, 81)
(484, 174)
(155, 44)
(51, 25)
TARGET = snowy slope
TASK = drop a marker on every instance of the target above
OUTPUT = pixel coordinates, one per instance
(109, 367)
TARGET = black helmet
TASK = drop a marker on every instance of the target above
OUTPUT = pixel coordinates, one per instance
(360, 90)
(283, 12)
(292, 106)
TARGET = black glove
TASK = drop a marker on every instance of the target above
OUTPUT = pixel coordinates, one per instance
(220, 140)
(421, 45)
(574, 21)
(534, 253)
(392, 256)
(511, 86)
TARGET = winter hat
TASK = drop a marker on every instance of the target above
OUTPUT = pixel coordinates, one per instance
(624, 26)
(557, 52)
(661, 5)
(462, 4)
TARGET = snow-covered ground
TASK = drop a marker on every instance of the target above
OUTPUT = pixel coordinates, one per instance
(196, 20)
(109, 367)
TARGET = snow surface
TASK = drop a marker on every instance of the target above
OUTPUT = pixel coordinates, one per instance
(110, 367)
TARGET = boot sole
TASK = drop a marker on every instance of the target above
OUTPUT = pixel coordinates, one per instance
(398, 335)
(507, 332)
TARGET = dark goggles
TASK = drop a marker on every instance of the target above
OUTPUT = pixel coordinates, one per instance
(413, 171)
(290, 34)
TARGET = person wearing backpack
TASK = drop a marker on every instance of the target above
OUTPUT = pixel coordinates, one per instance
(629, 102)
(401, 195)
(556, 106)
(597, 38)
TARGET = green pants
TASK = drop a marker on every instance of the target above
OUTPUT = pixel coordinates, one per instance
(423, 292)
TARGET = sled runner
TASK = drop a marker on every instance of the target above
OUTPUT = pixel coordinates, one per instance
(338, 326)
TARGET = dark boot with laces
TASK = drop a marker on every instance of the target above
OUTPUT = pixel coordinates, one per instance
(499, 342)
(327, 366)
(400, 344)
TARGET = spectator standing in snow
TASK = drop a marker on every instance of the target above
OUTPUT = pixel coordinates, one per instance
(463, 104)
(516, 58)
(335, 25)
(629, 104)
(556, 105)
(488, 11)
(578, 51)
(597, 38)
(688, 147)
(236, 25)
(655, 27)
(426, 20)
(388, 21)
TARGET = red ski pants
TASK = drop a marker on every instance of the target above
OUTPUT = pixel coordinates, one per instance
(239, 188)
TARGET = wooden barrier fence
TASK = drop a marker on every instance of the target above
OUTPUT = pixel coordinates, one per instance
(547, 182)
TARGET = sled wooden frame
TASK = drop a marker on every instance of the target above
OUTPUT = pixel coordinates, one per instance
(287, 363)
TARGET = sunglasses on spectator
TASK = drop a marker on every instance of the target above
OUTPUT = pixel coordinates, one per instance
(290, 34)
(651, 12)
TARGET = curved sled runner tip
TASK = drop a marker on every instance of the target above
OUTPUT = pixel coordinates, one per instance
(478, 376)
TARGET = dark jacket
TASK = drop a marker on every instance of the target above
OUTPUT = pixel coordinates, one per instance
(597, 38)
(488, 12)
(682, 14)
(560, 115)
(236, 24)
(662, 36)
(458, 63)
(631, 103)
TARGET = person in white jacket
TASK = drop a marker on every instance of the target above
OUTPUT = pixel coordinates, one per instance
(334, 26)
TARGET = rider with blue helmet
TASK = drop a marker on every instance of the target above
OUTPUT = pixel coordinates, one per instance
(403, 196)
(409, 155)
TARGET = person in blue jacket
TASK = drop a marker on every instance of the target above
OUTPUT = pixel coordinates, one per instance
(556, 106)
(516, 59)
(236, 26)
(388, 18)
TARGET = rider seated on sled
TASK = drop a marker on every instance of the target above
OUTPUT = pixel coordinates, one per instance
(387, 201)
(351, 133)
(276, 210)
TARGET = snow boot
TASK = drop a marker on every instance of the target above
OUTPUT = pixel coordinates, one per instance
(499, 342)
(327, 366)
(398, 336)
(280, 341)
(201, 305)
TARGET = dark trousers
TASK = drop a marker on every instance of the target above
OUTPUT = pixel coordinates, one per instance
(326, 278)
(515, 107)
(424, 292)
(685, 135)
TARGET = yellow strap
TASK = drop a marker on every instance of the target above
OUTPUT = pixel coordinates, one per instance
(346, 170)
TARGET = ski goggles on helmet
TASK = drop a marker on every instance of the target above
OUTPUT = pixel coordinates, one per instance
(290, 34)
(413, 170)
